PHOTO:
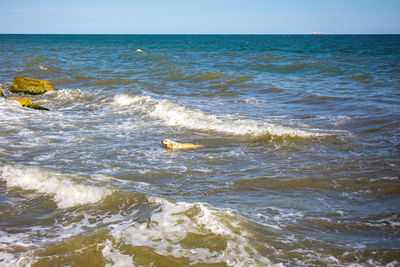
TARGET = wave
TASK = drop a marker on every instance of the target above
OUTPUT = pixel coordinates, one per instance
(125, 228)
(68, 95)
(69, 99)
(173, 227)
(63, 189)
(129, 228)
(175, 115)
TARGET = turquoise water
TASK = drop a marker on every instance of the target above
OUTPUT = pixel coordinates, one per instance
(300, 164)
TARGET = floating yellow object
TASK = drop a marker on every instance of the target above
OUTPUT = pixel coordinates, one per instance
(30, 86)
(176, 145)
(28, 103)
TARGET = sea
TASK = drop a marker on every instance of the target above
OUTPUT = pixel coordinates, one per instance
(300, 164)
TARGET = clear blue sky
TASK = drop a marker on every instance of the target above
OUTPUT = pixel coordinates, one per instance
(200, 16)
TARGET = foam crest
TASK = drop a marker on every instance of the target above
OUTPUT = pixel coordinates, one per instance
(113, 255)
(126, 100)
(172, 223)
(67, 94)
(65, 192)
(175, 115)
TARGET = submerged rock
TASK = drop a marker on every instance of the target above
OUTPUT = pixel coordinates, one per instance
(30, 86)
(25, 102)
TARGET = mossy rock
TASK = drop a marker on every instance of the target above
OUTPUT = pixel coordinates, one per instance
(28, 103)
(30, 86)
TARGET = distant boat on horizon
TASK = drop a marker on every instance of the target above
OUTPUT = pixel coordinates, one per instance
(318, 33)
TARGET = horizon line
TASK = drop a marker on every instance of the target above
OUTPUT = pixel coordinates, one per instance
(311, 33)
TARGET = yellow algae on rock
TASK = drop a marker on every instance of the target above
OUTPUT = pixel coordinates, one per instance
(24, 101)
(28, 103)
(30, 86)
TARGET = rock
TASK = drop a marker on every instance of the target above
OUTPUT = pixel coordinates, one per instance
(30, 86)
(25, 102)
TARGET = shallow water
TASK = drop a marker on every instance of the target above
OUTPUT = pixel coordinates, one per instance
(300, 165)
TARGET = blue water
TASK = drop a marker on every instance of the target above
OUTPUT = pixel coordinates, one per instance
(300, 164)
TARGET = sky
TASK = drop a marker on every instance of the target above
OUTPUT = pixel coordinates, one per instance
(200, 17)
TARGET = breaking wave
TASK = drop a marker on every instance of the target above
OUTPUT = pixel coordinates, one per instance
(175, 115)
(171, 225)
(131, 228)
(63, 189)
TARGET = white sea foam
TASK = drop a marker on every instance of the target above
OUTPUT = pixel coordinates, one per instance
(172, 222)
(175, 115)
(69, 99)
(111, 254)
(143, 185)
(393, 263)
(19, 249)
(8, 242)
(65, 191)
(336, 120)
(9, 260)
(282, 217)
(43, 67)
(126, 100)
(386, 178)
(252, 101)
(67, 94)
(266, 218)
